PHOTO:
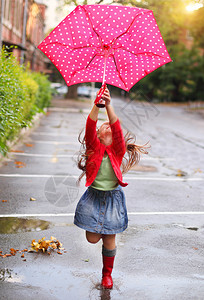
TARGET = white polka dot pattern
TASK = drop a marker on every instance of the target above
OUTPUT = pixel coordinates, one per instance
(128, 37)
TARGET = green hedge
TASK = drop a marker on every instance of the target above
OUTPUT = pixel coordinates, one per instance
(22, 95)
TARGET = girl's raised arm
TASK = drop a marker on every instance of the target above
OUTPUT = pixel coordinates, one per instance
(110, 111)
(94, 113)
(117, 133)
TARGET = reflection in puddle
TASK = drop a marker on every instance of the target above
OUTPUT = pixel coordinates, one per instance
(6, 275)
(98, 292)
(16, 225)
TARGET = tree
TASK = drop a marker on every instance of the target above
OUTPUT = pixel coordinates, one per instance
(197, 26)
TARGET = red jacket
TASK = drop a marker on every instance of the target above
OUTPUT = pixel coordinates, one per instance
(96, 150)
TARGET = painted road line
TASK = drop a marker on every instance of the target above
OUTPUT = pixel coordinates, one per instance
(143, 213)
(52, 134)
(42, 155)
(56, 143)
(65, 155)
(166, 178)
(37, 215)
(37, 175)
(158, 158)
(125, 178)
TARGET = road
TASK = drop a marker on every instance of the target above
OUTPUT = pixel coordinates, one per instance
(159, 256)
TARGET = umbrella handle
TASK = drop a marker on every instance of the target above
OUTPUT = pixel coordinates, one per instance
(98, 101)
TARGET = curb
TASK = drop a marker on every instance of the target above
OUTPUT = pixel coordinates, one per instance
(24, 132)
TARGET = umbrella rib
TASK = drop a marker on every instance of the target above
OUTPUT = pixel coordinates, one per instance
(91, 60)
(84, 67)
(140, 53)
(66, 46)
(129, 25)
(119, 72)
(87, 14)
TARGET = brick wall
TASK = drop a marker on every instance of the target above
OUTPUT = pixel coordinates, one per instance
(12, 32)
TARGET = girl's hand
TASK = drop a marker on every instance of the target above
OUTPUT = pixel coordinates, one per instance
(106, 97)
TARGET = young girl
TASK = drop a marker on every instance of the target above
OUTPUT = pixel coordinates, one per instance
(101, 211)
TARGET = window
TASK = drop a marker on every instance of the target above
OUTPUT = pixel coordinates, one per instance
(18, 16)
(7, 13)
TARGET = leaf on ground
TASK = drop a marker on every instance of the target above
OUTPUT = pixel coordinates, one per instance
(19, 164)
(32, 199)
(29, 145)
(180, 173)
(13, 251)
(45, 245)
(4, 201)
(42, 245)
(17, 151)
(54, 246)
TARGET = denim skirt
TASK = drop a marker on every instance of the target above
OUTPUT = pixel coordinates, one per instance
(102, 212)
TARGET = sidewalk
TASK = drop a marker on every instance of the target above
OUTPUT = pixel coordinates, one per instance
(82, 103)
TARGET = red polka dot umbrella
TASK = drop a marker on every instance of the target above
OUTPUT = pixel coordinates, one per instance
(118, 45)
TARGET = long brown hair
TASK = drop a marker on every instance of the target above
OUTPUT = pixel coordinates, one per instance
(132, 158)
(133, 152)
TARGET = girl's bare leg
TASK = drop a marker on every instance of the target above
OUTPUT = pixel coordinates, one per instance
(93, 237)
(109, 241)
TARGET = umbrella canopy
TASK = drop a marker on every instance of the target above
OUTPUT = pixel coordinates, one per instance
(118, 45)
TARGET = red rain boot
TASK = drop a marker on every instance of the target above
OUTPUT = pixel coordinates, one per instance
(107, 281)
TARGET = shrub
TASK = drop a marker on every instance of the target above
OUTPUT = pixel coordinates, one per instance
(22, 95)
(44, 92)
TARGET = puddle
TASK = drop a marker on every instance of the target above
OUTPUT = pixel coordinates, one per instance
(18, 225)
(5, 274)
(9, 276)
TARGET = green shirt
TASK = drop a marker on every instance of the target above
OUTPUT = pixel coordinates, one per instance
(106, 179)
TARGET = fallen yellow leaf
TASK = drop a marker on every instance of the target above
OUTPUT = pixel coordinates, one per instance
(32, 199)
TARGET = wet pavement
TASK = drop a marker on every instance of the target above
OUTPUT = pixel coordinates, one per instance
(159, 256)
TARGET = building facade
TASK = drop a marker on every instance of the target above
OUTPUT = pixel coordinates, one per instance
(23, 26)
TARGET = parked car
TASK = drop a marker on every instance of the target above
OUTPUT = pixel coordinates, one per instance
(86, 91)
(62, 90)
(59, 88)
(83, 91)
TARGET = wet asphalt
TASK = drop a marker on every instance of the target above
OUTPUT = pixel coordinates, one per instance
(159, 256)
